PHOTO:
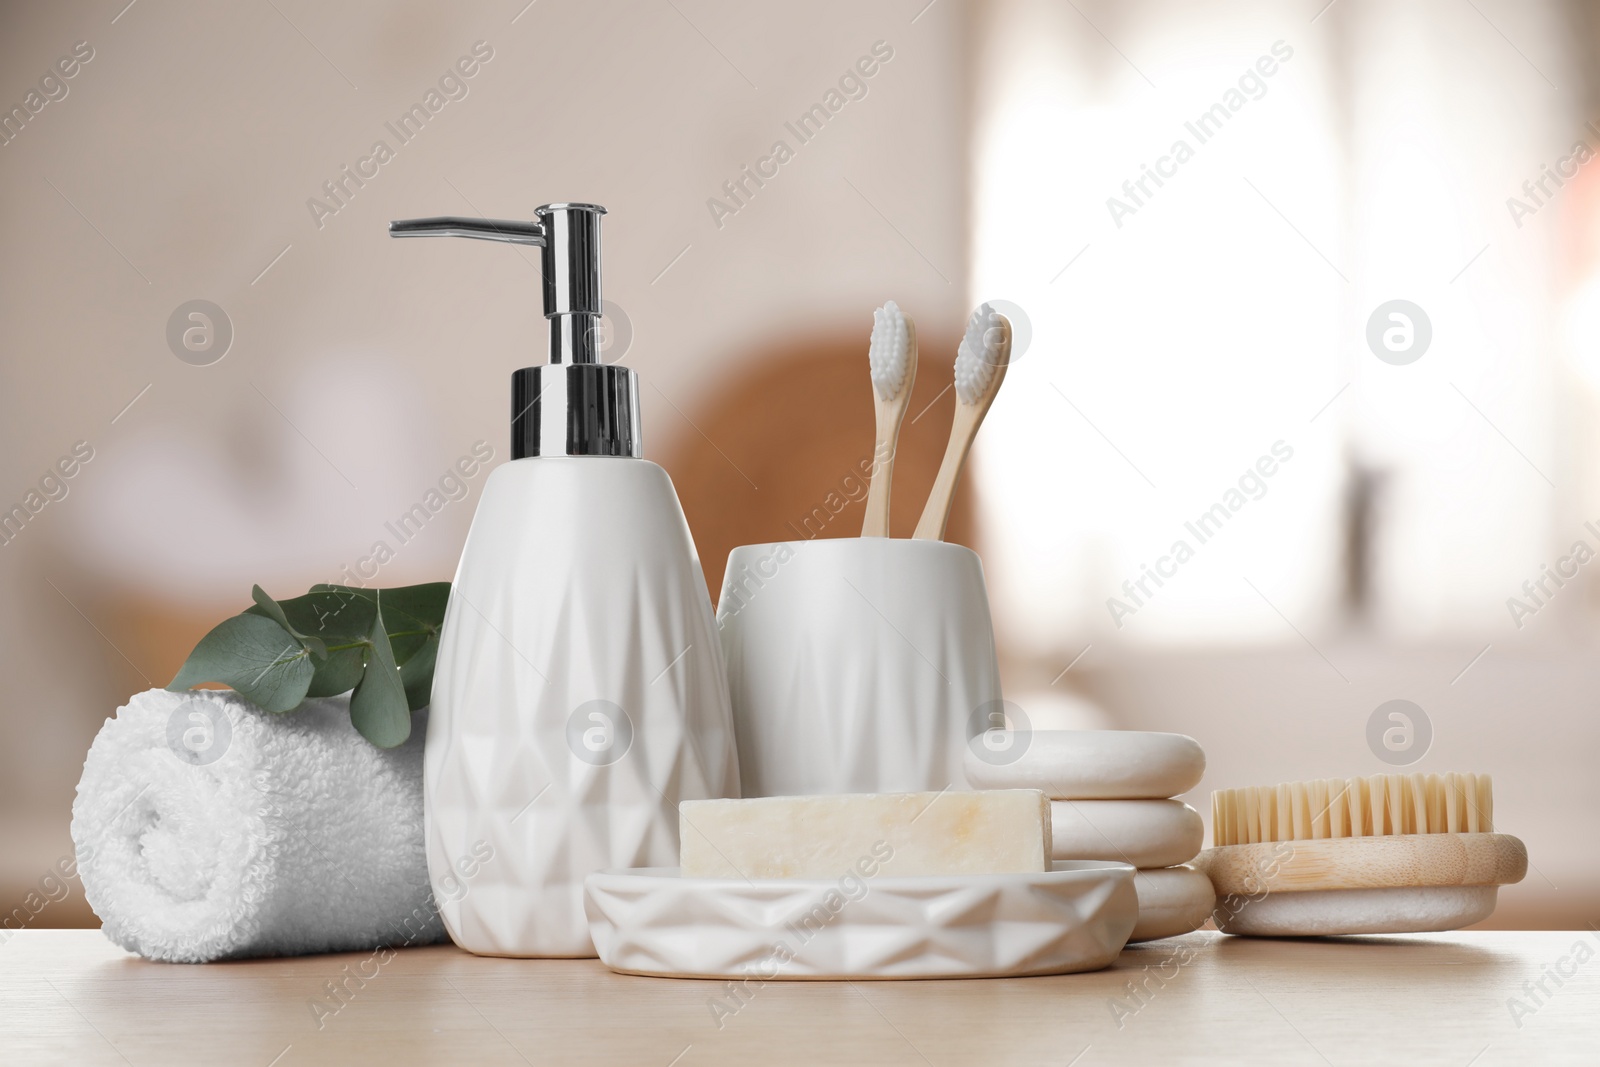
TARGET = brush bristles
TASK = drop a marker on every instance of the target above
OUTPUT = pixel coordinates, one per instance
(978, 355)
(889, 351)
(1378, 806)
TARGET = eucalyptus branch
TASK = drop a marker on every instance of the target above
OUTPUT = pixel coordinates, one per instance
(379, 645)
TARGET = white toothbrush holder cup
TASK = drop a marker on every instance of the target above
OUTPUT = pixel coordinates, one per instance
(856, 665)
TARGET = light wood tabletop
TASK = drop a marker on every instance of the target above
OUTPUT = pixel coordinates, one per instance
(70, 997)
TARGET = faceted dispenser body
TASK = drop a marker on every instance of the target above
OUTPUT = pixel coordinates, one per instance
(580, 694)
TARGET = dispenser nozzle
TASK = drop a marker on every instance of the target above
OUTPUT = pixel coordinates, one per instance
(578, 406)
(570, 237)
(517, 233)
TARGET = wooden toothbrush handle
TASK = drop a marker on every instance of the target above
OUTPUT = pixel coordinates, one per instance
(889, 414)
(936, 512)
(876, 523)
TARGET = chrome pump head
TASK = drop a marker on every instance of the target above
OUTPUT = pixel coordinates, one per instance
(575, 405)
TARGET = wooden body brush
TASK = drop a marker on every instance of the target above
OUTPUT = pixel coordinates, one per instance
(893, 357)
(1393, 853)
(980, 368)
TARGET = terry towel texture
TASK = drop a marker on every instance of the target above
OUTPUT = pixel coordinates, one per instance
(207, 829)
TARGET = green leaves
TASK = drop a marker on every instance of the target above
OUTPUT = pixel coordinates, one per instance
(380, 643)
(271, 610)
(254, 656)
(378, 707)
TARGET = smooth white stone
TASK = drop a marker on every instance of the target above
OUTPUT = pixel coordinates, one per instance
(1086, 764)
(1004, 831)
(1145, 833)
(1172, 901)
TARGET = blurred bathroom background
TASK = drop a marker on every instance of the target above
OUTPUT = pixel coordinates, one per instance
(1194, 318)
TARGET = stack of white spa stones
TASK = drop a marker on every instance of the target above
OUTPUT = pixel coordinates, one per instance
(1111, 799)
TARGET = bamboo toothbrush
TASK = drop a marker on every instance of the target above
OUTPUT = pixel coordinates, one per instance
(893, 358)
(980, 368)
(1393, 853)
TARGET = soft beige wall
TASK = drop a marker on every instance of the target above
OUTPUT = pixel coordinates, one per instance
(178, 166)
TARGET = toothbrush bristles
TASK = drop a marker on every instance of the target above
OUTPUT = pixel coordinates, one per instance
(889, 351)
(978, 355)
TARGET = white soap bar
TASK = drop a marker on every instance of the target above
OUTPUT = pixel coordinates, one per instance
(1145, 833)
(1086, 764)
(1004, 831)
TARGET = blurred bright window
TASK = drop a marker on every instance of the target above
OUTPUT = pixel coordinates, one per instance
(1200, 210)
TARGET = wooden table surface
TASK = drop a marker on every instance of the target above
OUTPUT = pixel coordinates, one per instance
(70, 997)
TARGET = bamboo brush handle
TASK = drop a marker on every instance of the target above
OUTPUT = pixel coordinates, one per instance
(936, 513)
(1403, 860)
(963, 428)
(889, 414)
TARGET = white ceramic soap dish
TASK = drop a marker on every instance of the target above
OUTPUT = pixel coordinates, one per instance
(655, 921)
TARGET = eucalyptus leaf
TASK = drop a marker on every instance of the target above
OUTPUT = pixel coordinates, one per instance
(412, 612)
(255, 656)
(378, 707)
(416, 606)
(334, 639)
(342, 621)
(340, 672)
(274, 611)
(420, 610)
(334, 614)
(412, 617)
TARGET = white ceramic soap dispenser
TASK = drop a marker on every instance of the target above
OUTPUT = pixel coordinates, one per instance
(580, 692)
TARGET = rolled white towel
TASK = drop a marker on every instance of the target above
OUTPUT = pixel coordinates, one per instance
(207, 828)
